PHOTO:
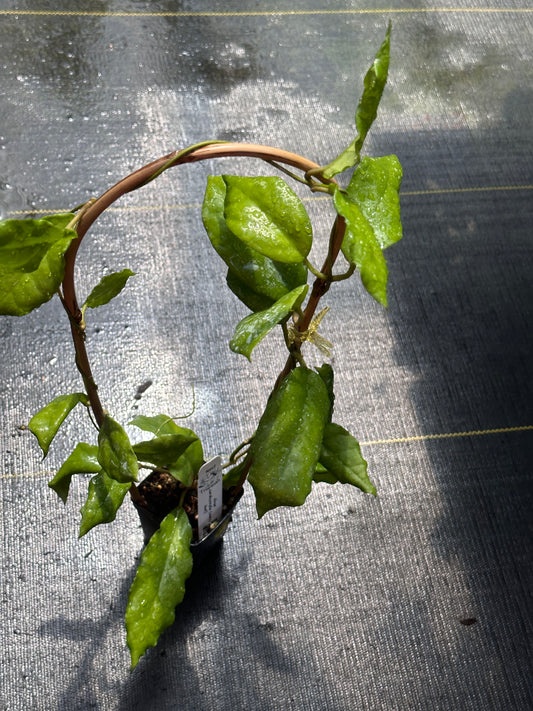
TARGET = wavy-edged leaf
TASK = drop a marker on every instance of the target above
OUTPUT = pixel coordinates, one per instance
(32, 261)
(366, 112)
(288, 440)
(268, 216)
(165, 449)
(46, 423)
(82, 460)
(253, 328)
(115, 452)
(103, 501)
(255, 279)
(159, 584)
(341, 457)
(185, 467)
(107, 288)
(361, 247)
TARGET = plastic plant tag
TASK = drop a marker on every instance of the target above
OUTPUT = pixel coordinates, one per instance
(209, 495)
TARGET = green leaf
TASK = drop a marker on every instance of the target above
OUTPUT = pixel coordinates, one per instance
(103, 501)
(322, 475)
(367, 109)
(268, 216)
(159, 425)
(159, 584)
(253, 328)
(288, 440)
(46, 423)
(341, 457)
(164, 450)
(115, 452)
(371, 208)
(109, 286)
(374, 188)
(233, 475)
(250, 298)
(31, 261)
(255, 279)
(326, 373)
(185, 467)
(361, 247)
(82, 460)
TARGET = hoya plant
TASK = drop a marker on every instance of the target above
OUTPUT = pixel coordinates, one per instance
(259, 227)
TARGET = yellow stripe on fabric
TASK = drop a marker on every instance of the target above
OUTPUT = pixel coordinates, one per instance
(272, 13)
(188, 206)
(369, 443)
(447, 435)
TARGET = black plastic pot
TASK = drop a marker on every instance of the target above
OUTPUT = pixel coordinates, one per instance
(150, 523)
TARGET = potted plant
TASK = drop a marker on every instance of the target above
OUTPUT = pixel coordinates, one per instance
(261, 230)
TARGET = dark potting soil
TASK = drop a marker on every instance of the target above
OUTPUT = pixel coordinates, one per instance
(161, 493)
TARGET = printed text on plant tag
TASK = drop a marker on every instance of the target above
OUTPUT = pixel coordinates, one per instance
(209, 495)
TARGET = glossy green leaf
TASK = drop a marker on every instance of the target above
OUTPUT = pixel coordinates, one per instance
(255, 279)
(159, 583)
(82, 460)
(164, 449)
(268, 216)
(322, 475)
(115, 452)
(374, 188)
(109, 286)
(367, 109)
(250, 298)
(253, 328)
(288, 440)
(183, 467)
(159, 425)
(371, 208)
(326, 373)
(46, 423)
(341, 457)
(103, 501)
(361, 247)
(233, 475)
(32, 261)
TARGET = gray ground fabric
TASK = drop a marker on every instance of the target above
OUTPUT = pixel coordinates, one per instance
(419, 600)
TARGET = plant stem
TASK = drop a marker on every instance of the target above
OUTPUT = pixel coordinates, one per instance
(320, 287)
(94, 208)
